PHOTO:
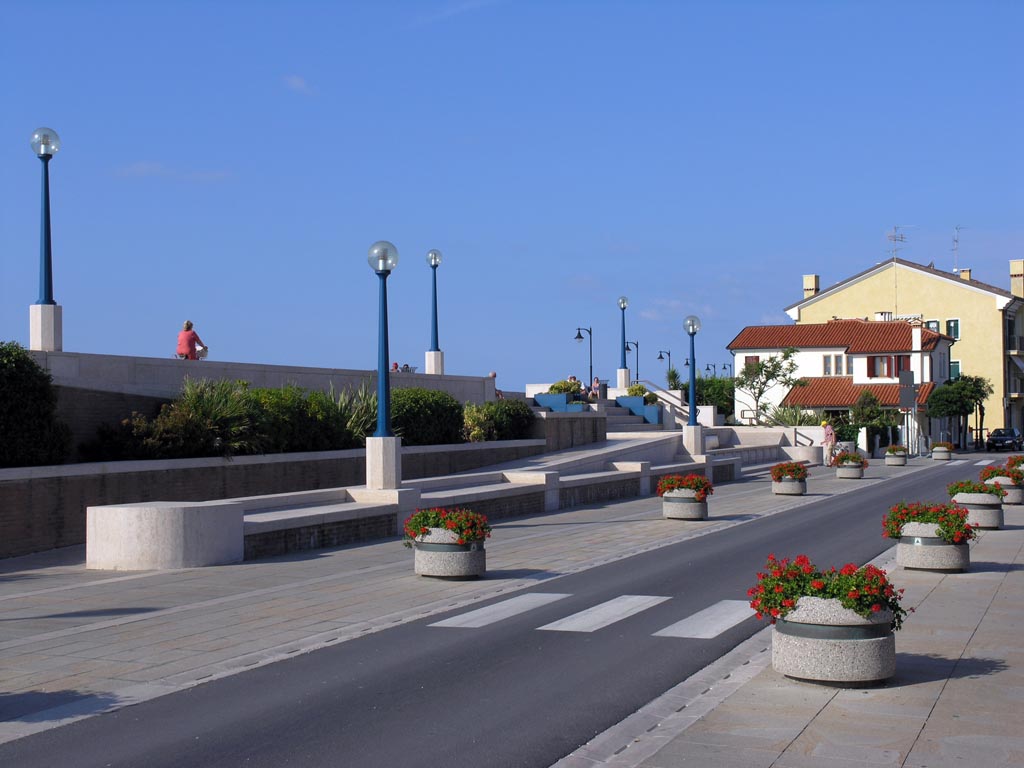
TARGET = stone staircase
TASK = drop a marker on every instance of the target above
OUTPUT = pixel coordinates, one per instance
(621, 420)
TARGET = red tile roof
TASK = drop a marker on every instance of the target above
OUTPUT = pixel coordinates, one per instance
(857, 336)
(841, 392)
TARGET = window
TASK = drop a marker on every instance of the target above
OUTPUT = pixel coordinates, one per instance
(954, 370)
(902, 363)
(751, 360)
(839, 365)
(953, 328)
(932, 325)
(887, 366)
(826, 365)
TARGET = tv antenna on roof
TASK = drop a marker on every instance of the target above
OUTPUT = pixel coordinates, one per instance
(896, 237)
(956, 248)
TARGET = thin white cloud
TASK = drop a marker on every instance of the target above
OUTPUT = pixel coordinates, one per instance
(298, 84)
(452, 9)
(144, 169)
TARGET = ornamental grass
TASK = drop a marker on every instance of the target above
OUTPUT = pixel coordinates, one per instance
(692, 482)
(467, 525)
(951, 520)
(865, 590)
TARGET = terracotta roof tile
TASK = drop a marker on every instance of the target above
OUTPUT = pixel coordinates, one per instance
(841, 392)
(856, 336)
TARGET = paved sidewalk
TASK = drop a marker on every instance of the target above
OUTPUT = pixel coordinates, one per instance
(75, 643)
(955, 700)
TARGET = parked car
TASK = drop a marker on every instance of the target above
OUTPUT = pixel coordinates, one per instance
(1008, 438)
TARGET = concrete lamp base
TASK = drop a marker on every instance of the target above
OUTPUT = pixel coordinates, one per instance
(434, 363)
(622, 378)
(383, 463)
(46, 327)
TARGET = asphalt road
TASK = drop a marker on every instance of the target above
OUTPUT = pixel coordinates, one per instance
(505, 694)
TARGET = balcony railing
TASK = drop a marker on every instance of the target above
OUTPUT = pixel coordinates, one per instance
(1015, 343)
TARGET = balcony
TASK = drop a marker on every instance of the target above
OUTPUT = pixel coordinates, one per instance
(1015, 345)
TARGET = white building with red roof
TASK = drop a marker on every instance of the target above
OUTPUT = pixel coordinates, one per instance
(840, 359)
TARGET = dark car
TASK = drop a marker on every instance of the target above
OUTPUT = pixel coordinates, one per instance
(1004, 439)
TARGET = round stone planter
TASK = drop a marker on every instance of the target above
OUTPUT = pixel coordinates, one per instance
(849, 471)
(682, 504)
(941, 454)
(1014, 493)
(984, 510)
(824, 642)
(789, 486)
(895, 459)
(437, 555)
(920, 547)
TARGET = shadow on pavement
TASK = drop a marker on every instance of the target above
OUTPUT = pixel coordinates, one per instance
(41, 706)
(988, 566)
(914, 668)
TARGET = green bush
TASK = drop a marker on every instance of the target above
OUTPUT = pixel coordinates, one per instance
(497, 420)
(564, 387)
(639, 390)
(426, 417)
(292, 419)
(30, 433)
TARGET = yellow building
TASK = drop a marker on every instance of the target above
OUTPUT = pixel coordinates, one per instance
(987, 322)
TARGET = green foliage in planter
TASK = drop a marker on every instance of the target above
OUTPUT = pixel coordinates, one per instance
(564, 387)
(943, 445)
(892, 450)
(1014, 461)
(793, 469)
(972, 486)
(849, 459)
(951, 520)
(466, 524)
(426, 417)
(693, 482)
(1015, 475)
(30, 433)
(639, 390)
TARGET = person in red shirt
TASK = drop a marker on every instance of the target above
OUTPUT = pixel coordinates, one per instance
(187, 341)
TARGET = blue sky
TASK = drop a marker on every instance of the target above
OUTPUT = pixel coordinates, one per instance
(232, 162)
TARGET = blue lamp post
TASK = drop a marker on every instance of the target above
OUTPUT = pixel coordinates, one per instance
(623, 303)
(635, 345)
(579, 337)
(434, 260)
(712, 369)
(383, 258)
(45, 143)
(691, 325)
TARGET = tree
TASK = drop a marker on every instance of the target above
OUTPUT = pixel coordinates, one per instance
(756, 379)
(672, 379)
(976, 389)
(30, 432)
(958, 399)
(717, 391)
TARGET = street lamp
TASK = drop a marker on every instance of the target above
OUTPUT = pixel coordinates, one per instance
(636, 344)
(45, 143)
(383, 257)
(434, 260)
(579, 337)
(691, 325)
(712, 369)
(662, 353)
(724, 366)
(623, 303)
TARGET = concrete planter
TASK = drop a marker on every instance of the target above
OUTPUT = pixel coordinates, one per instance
(895, 459)
(984, 510)
(849, 471)
(682, 504)
(437, 555)
(822, 641)
(941, 454)
(920, 547)
(789, 486)
(1014, 493)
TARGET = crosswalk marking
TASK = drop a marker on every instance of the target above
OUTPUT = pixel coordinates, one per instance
(503, 610)
(954, 462)
(606, 613)
(984, 463)
(711, 622)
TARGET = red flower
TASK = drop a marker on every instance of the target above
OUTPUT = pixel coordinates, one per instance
(876, 607)
(818, 584)
(848, 570)
(853, 594)
(779, 588)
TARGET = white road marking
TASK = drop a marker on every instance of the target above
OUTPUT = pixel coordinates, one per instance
(954, 462)
(711, 622)
(984, 463)
(503, 610)
(602, 615)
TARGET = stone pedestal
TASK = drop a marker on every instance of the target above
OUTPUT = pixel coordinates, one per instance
(434, 363)
(383, 463)
(693, 439)
(622, 378)
(46, 327)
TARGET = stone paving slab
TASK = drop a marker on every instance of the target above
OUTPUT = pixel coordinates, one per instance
(75, 642)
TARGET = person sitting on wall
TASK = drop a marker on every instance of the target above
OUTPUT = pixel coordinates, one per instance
(405, 368)
(595, 388)
(187, 342)
(498, 394)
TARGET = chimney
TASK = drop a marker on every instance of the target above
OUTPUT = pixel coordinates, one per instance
(1017, 277)
(915, 335)
(810, 286)
(965, 274)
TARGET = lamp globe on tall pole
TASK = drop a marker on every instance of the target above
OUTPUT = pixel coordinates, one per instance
(579, 338)
(45, 316)
(691, 325)
(623, 303)
(383, 258)
(434, 260)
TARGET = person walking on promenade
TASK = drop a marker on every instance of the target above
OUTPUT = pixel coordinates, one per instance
(829, 441)
(187, 342)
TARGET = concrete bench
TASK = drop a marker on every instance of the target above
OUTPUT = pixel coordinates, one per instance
(163, 534)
